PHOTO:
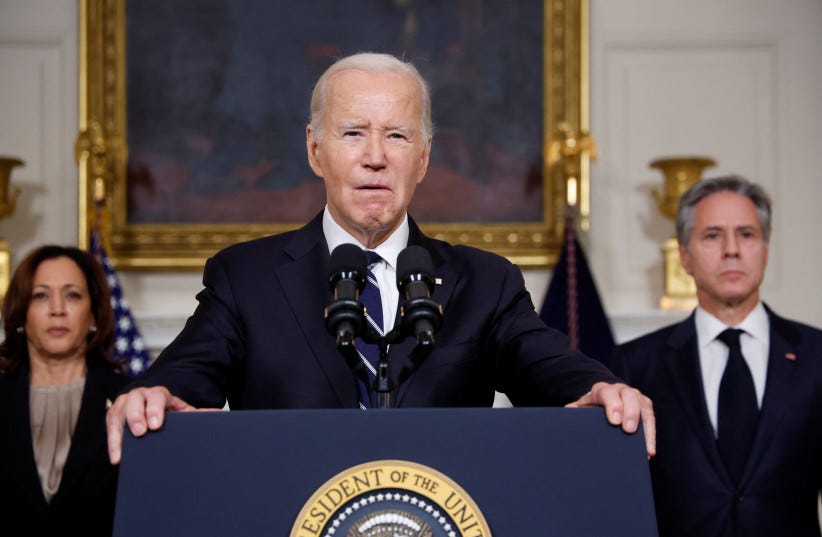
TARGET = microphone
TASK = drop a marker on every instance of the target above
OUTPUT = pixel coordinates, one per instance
(345, 316)
(421, 316)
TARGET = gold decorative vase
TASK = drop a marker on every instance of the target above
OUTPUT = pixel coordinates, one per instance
(8, 197)
(681, 173)
(8, 202)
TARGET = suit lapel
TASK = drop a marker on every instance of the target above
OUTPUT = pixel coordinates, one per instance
(305, 284)
(14, 411)
(783, 362)
(686, 377)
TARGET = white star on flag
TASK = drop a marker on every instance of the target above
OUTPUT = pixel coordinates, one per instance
(129, 348)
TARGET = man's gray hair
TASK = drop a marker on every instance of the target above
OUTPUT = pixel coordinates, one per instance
(372, 63)
(731, 183)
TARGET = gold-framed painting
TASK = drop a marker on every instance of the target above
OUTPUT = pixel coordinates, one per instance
(192, 119)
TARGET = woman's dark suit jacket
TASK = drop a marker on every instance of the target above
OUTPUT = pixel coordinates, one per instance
(84, 503)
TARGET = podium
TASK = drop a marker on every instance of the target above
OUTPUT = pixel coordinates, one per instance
(506, 472)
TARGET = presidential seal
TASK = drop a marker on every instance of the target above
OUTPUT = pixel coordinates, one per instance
(390, 498)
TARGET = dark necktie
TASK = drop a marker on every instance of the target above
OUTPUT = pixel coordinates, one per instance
(370, 352)
(738, 411)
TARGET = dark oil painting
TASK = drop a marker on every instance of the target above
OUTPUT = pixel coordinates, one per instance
(218, 94)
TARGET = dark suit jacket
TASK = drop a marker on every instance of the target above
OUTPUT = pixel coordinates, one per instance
(693, 493)
(84, 503)
(258, 336)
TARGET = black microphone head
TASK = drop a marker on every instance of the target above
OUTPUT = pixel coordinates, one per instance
(413, 262)
(347, 261)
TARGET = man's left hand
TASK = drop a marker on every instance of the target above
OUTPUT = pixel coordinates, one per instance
(624, 406)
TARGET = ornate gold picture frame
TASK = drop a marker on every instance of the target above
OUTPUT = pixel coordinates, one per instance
(102, 153)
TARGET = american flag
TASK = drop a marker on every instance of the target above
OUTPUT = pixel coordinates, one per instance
(129, 348)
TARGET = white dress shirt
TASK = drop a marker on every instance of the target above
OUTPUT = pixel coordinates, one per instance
(713, 354)
(385, 271)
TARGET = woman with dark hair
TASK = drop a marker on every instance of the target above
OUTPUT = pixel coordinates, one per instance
(56, 380)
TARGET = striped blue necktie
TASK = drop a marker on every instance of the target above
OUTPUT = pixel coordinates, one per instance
(370, 352)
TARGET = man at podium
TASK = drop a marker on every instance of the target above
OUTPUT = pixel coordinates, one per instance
(258, 338)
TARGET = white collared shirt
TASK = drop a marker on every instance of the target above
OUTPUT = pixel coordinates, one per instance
(713, 354)
(385, 271)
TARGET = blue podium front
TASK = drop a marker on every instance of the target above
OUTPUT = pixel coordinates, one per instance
(508, 472)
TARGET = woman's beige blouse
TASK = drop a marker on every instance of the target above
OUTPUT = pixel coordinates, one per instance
(54, 411)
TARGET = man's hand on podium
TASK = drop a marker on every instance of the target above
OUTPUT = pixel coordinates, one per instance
(624, 406)
(143, 409)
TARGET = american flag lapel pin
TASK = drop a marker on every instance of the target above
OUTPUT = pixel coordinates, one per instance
(790, 356)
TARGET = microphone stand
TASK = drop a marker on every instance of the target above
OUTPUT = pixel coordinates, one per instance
(345, 317)
(383, 385)
(414, 310)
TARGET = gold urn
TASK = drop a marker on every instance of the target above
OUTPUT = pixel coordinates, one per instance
(8, 197)
(8, 201)
(681, 173)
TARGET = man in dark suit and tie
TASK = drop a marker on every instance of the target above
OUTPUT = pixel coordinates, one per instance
(737, 390)
(258, 339)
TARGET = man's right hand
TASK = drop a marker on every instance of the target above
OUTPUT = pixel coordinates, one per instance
(143, 409)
